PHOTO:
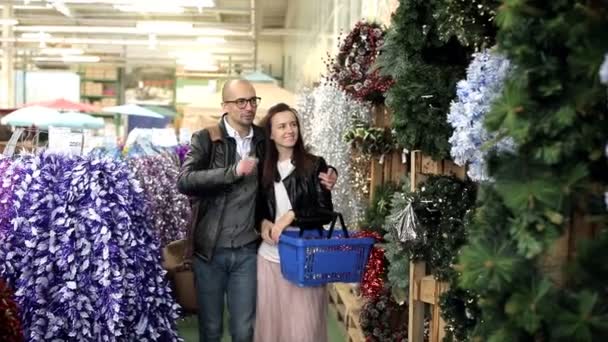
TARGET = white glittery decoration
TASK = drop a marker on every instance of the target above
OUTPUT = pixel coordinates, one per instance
(327, 114)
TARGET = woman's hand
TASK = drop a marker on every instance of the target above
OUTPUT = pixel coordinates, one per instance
(280, 225)
(265, 231)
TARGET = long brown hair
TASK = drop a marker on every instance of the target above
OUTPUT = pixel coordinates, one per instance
(302, 160)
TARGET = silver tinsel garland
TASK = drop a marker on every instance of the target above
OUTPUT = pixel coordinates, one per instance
(326, 114)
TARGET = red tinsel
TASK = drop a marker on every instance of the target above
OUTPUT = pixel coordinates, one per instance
(372, 283)
(10, 325)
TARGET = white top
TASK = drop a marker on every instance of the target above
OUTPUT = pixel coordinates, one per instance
(243, 145)
(283, 205)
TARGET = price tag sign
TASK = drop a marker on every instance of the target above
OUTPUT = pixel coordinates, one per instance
(66, 140)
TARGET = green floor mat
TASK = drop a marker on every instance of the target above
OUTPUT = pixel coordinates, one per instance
(188, 329)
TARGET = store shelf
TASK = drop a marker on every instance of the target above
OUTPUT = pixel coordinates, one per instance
(98, 80)
(99, 96)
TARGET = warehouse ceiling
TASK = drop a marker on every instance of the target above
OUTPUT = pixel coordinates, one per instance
(200, 35)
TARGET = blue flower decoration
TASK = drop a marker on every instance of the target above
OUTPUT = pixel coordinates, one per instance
(474, 97)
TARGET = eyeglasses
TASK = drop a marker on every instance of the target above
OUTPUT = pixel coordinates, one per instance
(242, 103)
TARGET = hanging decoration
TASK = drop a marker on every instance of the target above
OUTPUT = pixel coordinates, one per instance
(329, 112)
(353, 70)
(170, 210)
(474, 97)
(368, 140)
(10, 325)
(426, 52)
(375, 270)
(604, 70)
(83, 255)
(403, 223)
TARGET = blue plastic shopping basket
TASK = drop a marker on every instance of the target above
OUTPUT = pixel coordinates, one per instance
(317, 257)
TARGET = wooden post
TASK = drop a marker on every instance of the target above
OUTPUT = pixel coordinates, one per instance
(415, 331)
(387, 167)
(425, 290)
(399, 169)
(377, 177)
(381, 116)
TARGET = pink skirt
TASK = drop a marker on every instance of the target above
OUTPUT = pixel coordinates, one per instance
(286, 312)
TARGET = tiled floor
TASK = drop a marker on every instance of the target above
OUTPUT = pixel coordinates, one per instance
(188, 329)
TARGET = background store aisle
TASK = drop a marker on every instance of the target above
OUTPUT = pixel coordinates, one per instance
(188, 329)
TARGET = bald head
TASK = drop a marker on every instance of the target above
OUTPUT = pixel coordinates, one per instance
(233, 86)
(234, 94)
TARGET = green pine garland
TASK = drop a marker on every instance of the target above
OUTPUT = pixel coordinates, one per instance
(426, 52)
(379, 208)
(398, 269)
(441, 204)
(460, 312)
(555, 110)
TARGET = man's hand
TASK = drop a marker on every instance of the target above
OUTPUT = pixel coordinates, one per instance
(328, 179)
(246, 166)
(266, 228)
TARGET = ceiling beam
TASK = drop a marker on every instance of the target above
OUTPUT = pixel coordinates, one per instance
(97, 5)
(130, 42)
(194, 32)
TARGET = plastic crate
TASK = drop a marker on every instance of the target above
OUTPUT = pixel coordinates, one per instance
(319, 257)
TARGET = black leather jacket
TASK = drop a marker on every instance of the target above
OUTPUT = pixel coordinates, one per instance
(311, 203)
(207, 175)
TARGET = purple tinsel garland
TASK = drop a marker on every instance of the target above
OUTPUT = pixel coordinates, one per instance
(170, 210)
(82, 254)
(8, 177)
(181, 151)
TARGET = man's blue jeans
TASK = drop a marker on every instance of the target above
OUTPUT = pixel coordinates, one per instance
(231, 273)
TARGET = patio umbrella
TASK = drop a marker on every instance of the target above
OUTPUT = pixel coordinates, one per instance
(77, 120)
(63, 104)
(132, 109)
(164, 111)
(30, 116)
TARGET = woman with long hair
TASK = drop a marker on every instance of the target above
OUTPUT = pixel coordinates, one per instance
(291, 197)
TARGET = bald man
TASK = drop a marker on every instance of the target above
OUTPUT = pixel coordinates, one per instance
(222, 173)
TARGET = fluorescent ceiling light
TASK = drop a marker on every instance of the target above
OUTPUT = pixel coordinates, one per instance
(61, 51)
(191, 55)
(9, 22)
(178, 28)
(36, 35)
(68, 59)
(208, 31)
(152, 7)
(89, 59)
(152, 42)
(163, 26)
(29, 7)
(61, 7)
(211, 40)
(183, 3)
(201, 67)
